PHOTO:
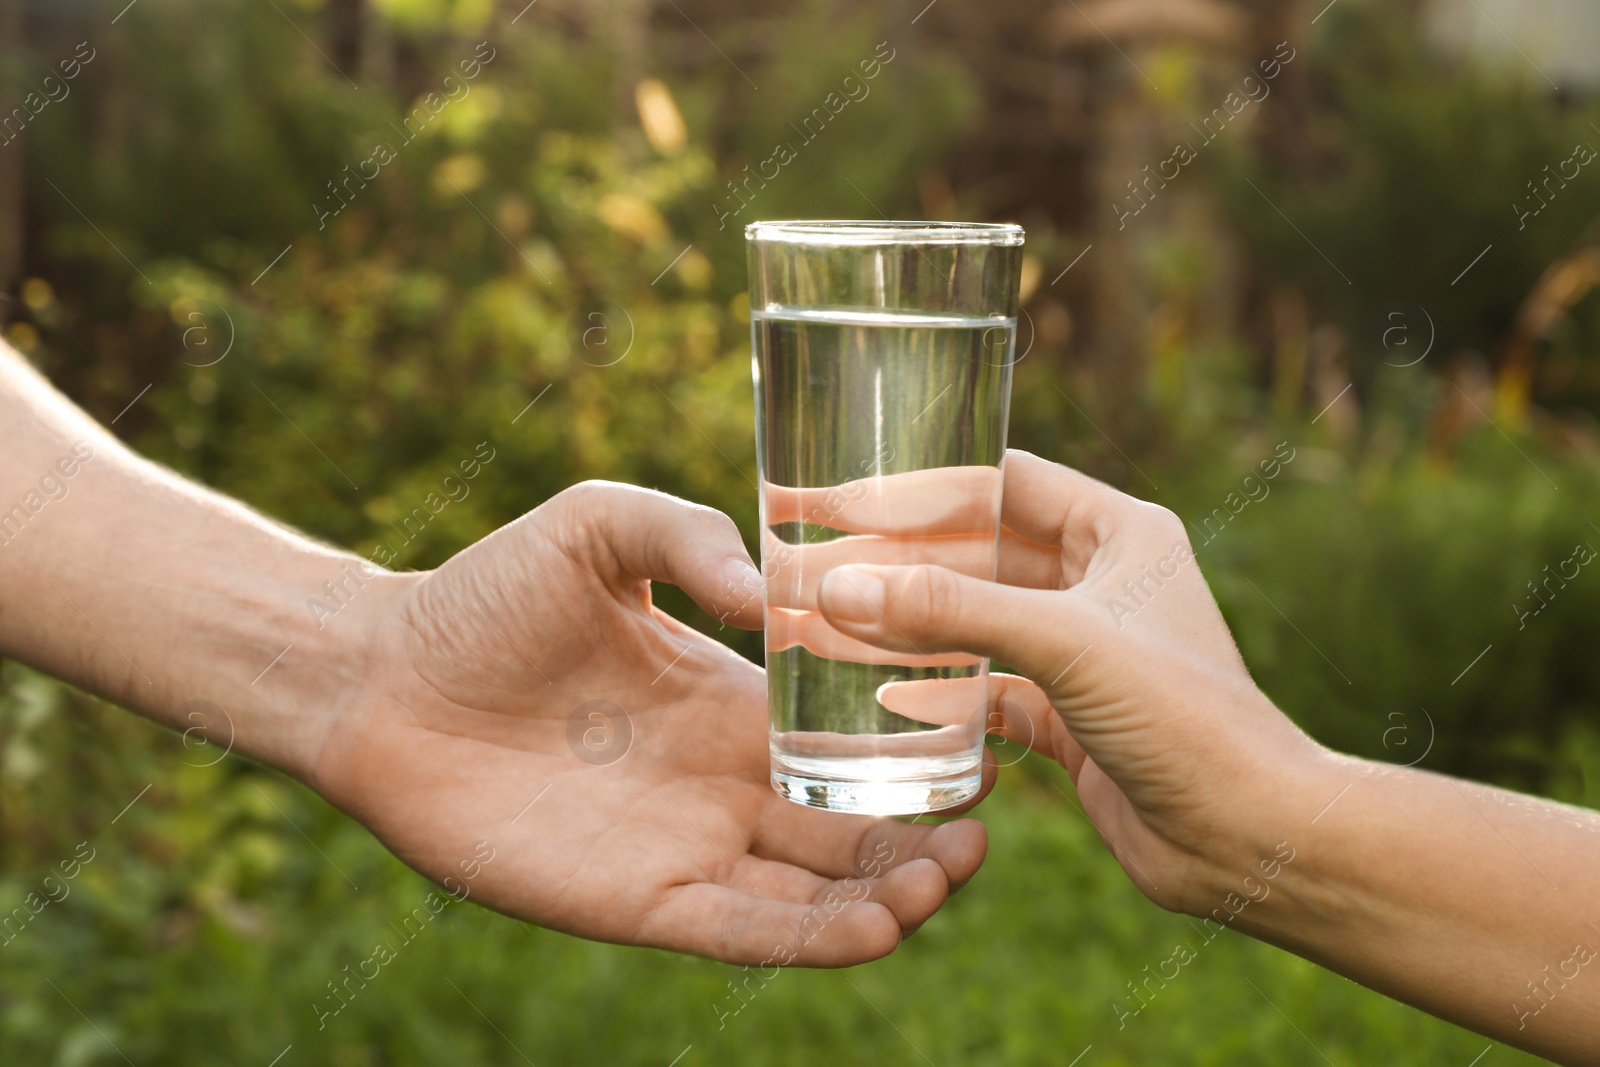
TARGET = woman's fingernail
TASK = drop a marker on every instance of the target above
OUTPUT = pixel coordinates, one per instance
(853, 595)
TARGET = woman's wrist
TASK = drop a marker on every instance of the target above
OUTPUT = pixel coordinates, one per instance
(1264, 821)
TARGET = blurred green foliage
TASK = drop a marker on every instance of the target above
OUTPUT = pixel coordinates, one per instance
(461, 286)
(1410, 166)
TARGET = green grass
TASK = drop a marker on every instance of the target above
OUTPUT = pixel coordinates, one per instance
(206, 927)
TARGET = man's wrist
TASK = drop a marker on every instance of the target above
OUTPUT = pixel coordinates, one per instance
(324, 650)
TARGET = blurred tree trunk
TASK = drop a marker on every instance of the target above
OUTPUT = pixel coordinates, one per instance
(1285, 134)
(1132, 208)
(629, 22)
(1129, 136)
(11, 156)
(346, 22)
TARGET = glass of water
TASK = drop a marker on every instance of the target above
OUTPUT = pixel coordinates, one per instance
(882, 365)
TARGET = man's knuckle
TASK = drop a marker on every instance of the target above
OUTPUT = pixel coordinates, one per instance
(1160, 519)
(584, 494)
(717, 524)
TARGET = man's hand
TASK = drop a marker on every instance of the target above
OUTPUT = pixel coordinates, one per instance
(661, 830)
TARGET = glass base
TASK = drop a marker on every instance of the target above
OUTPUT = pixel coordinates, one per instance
(876, 786)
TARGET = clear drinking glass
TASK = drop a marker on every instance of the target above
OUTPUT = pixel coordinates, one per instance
(882, 365)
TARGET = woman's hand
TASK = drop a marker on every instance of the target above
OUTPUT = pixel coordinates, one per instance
(1131, 678)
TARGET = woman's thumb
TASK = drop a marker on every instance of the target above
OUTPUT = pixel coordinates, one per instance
(927, 609)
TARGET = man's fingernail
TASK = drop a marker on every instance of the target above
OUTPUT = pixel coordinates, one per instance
(854, 595)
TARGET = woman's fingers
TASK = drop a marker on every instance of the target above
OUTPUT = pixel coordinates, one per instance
(793, 572)
(810, 631)
(990, 771)
(1027, 563)
(1094, 527)
(1011, 706)
(941, 701)
(940, 500)
(1052, 504)
(1020, 711)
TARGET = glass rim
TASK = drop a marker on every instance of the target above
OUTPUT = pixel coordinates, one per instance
(864, 232)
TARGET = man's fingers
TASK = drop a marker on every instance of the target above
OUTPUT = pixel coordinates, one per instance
(844, 846)
(755, 931)
(931, 610)
(772, 913)
(912, 892)
(659, 537)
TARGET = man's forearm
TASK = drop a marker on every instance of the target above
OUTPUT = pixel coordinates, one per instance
(154, 592)
(1470, 902)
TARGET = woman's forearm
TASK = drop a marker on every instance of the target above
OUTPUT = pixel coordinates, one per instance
(1470, 902)
(158, 594)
